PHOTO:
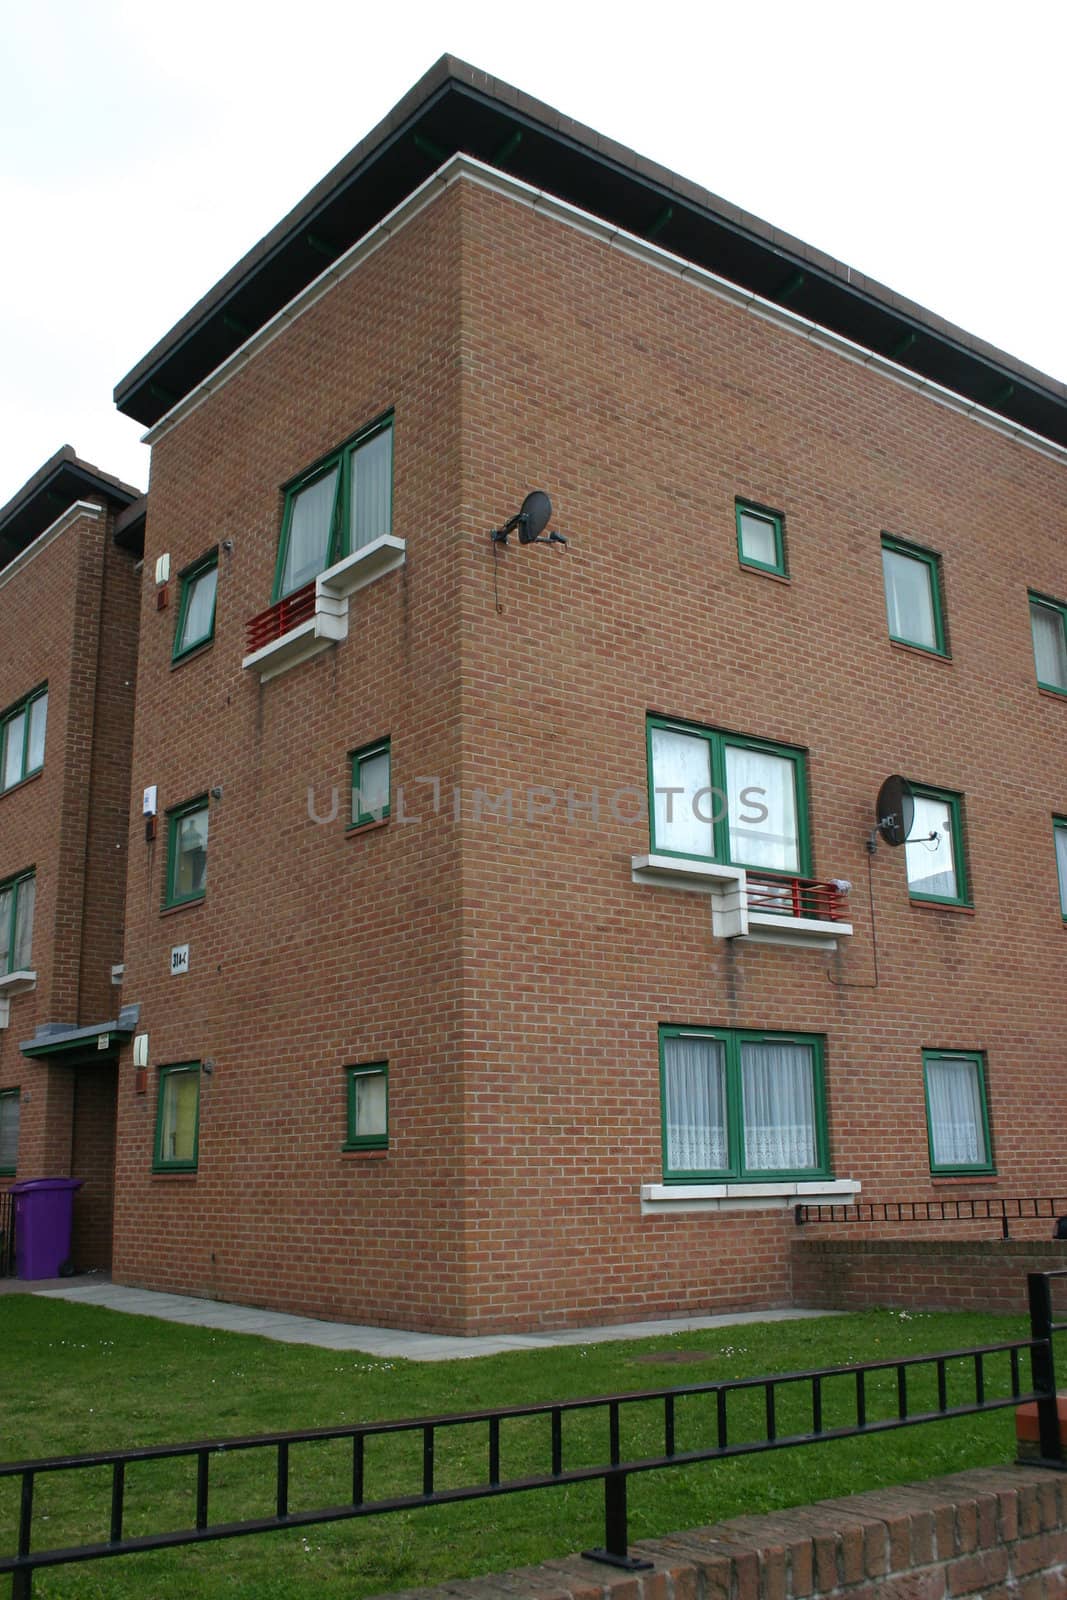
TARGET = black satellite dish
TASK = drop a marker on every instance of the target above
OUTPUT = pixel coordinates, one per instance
(531, 520)
(534, 515)
(895, 809)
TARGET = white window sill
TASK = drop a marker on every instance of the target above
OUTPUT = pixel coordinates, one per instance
(329, 625)
(13, 983)
(731, 916)
(659, 1199)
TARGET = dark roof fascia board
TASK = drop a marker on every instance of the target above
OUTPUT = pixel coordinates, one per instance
(63, 480)
(598, 175)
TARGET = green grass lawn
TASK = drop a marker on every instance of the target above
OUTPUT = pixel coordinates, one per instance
(80, 1379)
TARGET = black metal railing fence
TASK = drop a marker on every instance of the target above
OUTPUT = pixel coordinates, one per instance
(638, 1432)
(964, 1208)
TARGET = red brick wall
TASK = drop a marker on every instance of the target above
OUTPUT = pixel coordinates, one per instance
(513, 975)
(924, 1274)
(989, 1533)
(66, 618)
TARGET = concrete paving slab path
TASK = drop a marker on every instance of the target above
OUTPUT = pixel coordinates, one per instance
(384, 1343)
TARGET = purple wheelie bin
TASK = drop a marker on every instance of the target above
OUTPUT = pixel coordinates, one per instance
(44, 1210)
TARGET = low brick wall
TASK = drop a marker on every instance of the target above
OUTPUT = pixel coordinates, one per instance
(992, 1534)
(920, 1274)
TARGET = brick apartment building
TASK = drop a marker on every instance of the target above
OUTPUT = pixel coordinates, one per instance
(69, 544)
(437, 1027)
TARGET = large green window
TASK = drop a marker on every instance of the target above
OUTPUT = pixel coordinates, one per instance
(760, 537)
(913, 595)
(368, 1107)
(22, 730)
(370, 783)
(196, 605)
(957, 1111)
(742, 1105)
(10, 1106)
(17, 897)
(1059, 835)
(187, 828)
(178, 1118)
(1048, 625)
(934, 852)
(335, 508)
(721, 797)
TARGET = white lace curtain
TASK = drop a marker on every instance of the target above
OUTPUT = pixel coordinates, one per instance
(957, 1131)
(758, 782)
(1050, 647)
(777, 1099)
(682, 761)
(308, 550)
(371, 491)
(931, 862)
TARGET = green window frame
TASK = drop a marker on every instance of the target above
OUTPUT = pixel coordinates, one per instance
(957, 1112)
(368, 1106)
(903, 563)
(187, 840)
(371, 782)
(177, 1142)
(760, 537)
(726, 1105)
(10, 1113)
(343, 502)
(939, 810)
(1059, 840)
(17, 899)
(1048, 630)
(715, 816)
(198, 590)
(22, 738)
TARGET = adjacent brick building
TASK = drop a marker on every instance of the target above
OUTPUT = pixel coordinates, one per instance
(436, 1027)
(69, 548)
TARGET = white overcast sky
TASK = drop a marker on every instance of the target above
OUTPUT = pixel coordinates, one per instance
(145, 146)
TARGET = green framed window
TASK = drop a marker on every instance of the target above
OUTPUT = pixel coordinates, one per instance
(196, 605)
(187, 830)
(17, 896)
(718, 796)
(370, 783)
(335, 508)
(760, 537)
(913, 595)
(10, 1110)
(178, 1118)
(957, 1111)
(22, 730)
(739, 1104)
(1059, 838)
(933, 852)
(1048, 626)
(368, 1107)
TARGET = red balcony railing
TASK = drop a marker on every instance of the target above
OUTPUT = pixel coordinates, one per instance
(798, 897)
(280, 618)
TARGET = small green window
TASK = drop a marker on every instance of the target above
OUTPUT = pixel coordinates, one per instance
(196, 606)
(17, 896)
(742, 1105)
(187, 829)
(913, 595)
(1059, 835)
(723, 797)
(22, 730)
(957, 1111)
(760, 537)
(934, 848)
(336, 507)
(1048, 625)
(370, 784)
(178, 1118)
(368, 1107)
(10, 1107)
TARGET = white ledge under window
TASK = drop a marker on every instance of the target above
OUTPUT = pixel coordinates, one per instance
(732, 915)
(329, 623)
(657, 1199)
(13, 983)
